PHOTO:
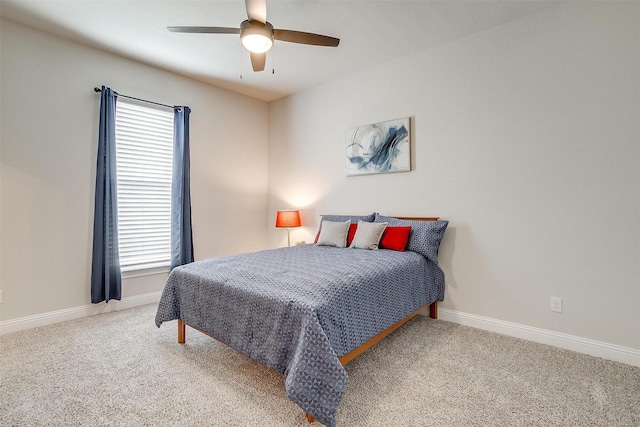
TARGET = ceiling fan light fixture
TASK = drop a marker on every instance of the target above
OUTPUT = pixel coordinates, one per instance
(256, 37)
(257, 43)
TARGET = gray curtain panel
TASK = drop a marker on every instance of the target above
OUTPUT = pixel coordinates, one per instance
(106, 277)
(181, 235)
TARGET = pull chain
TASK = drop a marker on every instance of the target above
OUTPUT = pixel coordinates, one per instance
(273, 59)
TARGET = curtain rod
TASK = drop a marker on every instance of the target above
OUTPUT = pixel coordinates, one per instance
(97, 89)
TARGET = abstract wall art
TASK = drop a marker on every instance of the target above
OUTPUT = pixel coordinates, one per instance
(378, 148)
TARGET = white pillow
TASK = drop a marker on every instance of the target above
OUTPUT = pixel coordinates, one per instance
(333, 234)
(368, 235)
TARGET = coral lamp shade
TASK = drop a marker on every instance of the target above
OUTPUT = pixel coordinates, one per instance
(288, 219)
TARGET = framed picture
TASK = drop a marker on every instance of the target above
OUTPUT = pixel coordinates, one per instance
(378, 148)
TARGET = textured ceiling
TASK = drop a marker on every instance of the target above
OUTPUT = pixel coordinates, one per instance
(371, 32)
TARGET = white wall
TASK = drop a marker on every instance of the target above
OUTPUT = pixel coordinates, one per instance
(525, 137)
(49, 125)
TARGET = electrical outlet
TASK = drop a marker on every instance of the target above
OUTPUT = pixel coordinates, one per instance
(556, 304)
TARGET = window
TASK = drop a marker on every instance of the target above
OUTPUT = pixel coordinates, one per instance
(144, 151)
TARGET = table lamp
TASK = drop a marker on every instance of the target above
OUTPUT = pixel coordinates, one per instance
(287, 219)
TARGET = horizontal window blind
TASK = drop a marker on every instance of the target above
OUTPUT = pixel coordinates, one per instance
(144, 151)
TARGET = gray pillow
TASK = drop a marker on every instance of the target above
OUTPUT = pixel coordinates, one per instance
(353, 218)
(368, 235)
(425, 236)
(333, 234)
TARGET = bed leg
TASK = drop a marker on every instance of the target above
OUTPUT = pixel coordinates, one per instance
(181, 331)
(309, 417)
(433, 310)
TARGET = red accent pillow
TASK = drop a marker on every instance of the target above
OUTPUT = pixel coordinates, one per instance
(352, 232)
(395, 238)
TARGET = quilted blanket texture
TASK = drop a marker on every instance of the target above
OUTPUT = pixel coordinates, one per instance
(298, 309)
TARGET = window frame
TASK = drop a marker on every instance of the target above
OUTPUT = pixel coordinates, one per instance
(144, 160)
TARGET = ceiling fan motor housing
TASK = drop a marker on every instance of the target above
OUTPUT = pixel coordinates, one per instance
(256, 36)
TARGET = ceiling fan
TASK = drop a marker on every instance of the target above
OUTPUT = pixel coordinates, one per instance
(257, 34)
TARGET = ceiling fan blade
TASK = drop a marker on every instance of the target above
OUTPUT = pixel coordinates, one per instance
(213, 30)
(305, 38)
(258, 61)
(257, 10)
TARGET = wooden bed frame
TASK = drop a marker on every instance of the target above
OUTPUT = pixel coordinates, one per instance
(433, 313)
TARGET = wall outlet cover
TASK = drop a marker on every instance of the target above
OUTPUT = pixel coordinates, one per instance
(556, 304)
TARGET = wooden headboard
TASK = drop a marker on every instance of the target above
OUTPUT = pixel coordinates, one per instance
(408, 218)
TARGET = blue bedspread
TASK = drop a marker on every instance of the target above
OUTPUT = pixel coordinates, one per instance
(298, 309)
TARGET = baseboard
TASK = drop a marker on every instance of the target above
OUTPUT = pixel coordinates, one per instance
(27, 322)
(605, 350)
(591, 347)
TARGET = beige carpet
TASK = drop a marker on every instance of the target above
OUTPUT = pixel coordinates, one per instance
(118, 369)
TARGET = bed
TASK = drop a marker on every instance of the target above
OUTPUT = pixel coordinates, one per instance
(306, 311)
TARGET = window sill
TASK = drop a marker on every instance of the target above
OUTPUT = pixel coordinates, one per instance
(139, 272)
